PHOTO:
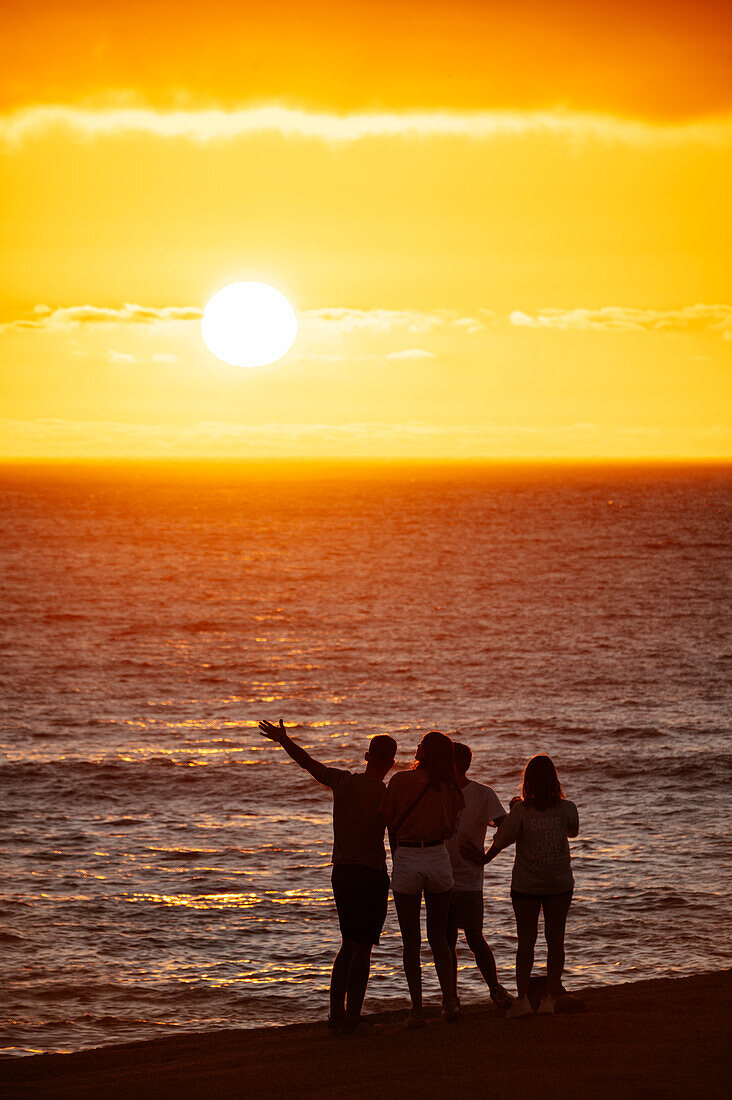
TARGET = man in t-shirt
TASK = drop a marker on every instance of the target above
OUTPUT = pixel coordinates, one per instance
(360, 880)
(482, 808)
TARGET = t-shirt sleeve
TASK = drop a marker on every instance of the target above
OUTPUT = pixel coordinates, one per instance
(333, 777)
(572, 818)
(491, 808)
(510, 827)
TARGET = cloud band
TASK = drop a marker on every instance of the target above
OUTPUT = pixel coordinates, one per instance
(226, 125)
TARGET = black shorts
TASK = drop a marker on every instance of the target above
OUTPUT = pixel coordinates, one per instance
(541, 898)
(361, 894)
(466, 910)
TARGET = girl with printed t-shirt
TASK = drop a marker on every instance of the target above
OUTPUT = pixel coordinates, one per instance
(421, 808)
(539, 824)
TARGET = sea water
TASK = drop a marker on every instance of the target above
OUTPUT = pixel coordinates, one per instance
(166, 868)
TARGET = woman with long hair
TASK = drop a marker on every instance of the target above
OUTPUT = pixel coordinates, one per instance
(421, 807)
(539, 823)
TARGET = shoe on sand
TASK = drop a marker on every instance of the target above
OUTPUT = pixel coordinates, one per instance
(415, 1020)
(520, 1007)
(501, 997)
(546, 1005)
(336, 1023)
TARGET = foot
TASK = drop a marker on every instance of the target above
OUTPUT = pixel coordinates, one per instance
(501, 997)
(336, 1023)
(546, 1005)
(349, 1026)
(415, 1020)
(520, 1007)
(451, 1011)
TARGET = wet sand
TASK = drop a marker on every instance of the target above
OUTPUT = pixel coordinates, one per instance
(664, 1038)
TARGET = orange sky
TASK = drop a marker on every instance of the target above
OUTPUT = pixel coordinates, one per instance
(505, 227)
(666, 59)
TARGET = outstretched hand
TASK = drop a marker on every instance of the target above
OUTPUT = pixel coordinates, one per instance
(472, 853)
(273, 732)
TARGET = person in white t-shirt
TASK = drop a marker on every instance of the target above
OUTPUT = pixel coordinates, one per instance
(482, 808)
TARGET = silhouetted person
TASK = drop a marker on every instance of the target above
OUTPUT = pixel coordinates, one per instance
(482, 808)
(360, 880)
(539, 823)
(421, 808)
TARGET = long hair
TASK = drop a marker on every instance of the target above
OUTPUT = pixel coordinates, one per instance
(436, 755)
(540, 786)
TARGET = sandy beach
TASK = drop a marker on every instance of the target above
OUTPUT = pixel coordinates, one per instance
(662, 1038)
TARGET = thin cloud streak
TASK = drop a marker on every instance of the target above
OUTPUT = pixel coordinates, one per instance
(699, 317)
(412, 353)
(222, 125)
(342, 322)
(66, 317)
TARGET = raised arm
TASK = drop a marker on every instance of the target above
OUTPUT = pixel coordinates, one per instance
(298, 754)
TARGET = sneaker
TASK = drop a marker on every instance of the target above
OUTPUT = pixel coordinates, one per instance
(520, 1007)
(501, 997)
(546, 1005)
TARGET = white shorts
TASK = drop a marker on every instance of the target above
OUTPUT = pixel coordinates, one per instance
(418, 869)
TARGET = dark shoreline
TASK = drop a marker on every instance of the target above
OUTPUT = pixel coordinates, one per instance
(667, 1037)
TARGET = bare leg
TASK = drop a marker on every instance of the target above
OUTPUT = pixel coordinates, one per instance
(408, 907)
(526, 911)
(483, 956)
(357, 980)
(338, 981)
(555, 921)
(452, 938)
(438, 906)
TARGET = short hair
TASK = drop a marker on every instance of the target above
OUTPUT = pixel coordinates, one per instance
(463, 756)
(382, 748)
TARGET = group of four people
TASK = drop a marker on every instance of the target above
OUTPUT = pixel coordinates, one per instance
(437, 821)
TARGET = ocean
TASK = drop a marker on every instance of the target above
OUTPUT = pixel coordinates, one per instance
(165, 868)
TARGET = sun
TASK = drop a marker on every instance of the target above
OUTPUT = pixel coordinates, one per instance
(249, 325)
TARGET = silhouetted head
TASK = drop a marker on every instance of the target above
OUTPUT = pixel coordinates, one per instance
(541, 787)
(381, 752)
(435, 754)
(463, 756)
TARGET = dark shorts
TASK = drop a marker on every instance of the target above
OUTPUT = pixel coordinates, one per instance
(565, 895)
(466, 910)
(361, 894)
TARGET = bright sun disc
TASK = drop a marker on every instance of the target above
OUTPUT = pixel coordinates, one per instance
(249, 325)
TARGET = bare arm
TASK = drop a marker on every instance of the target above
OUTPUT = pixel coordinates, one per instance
(279, 735)
(507, 834)
(573, 822)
